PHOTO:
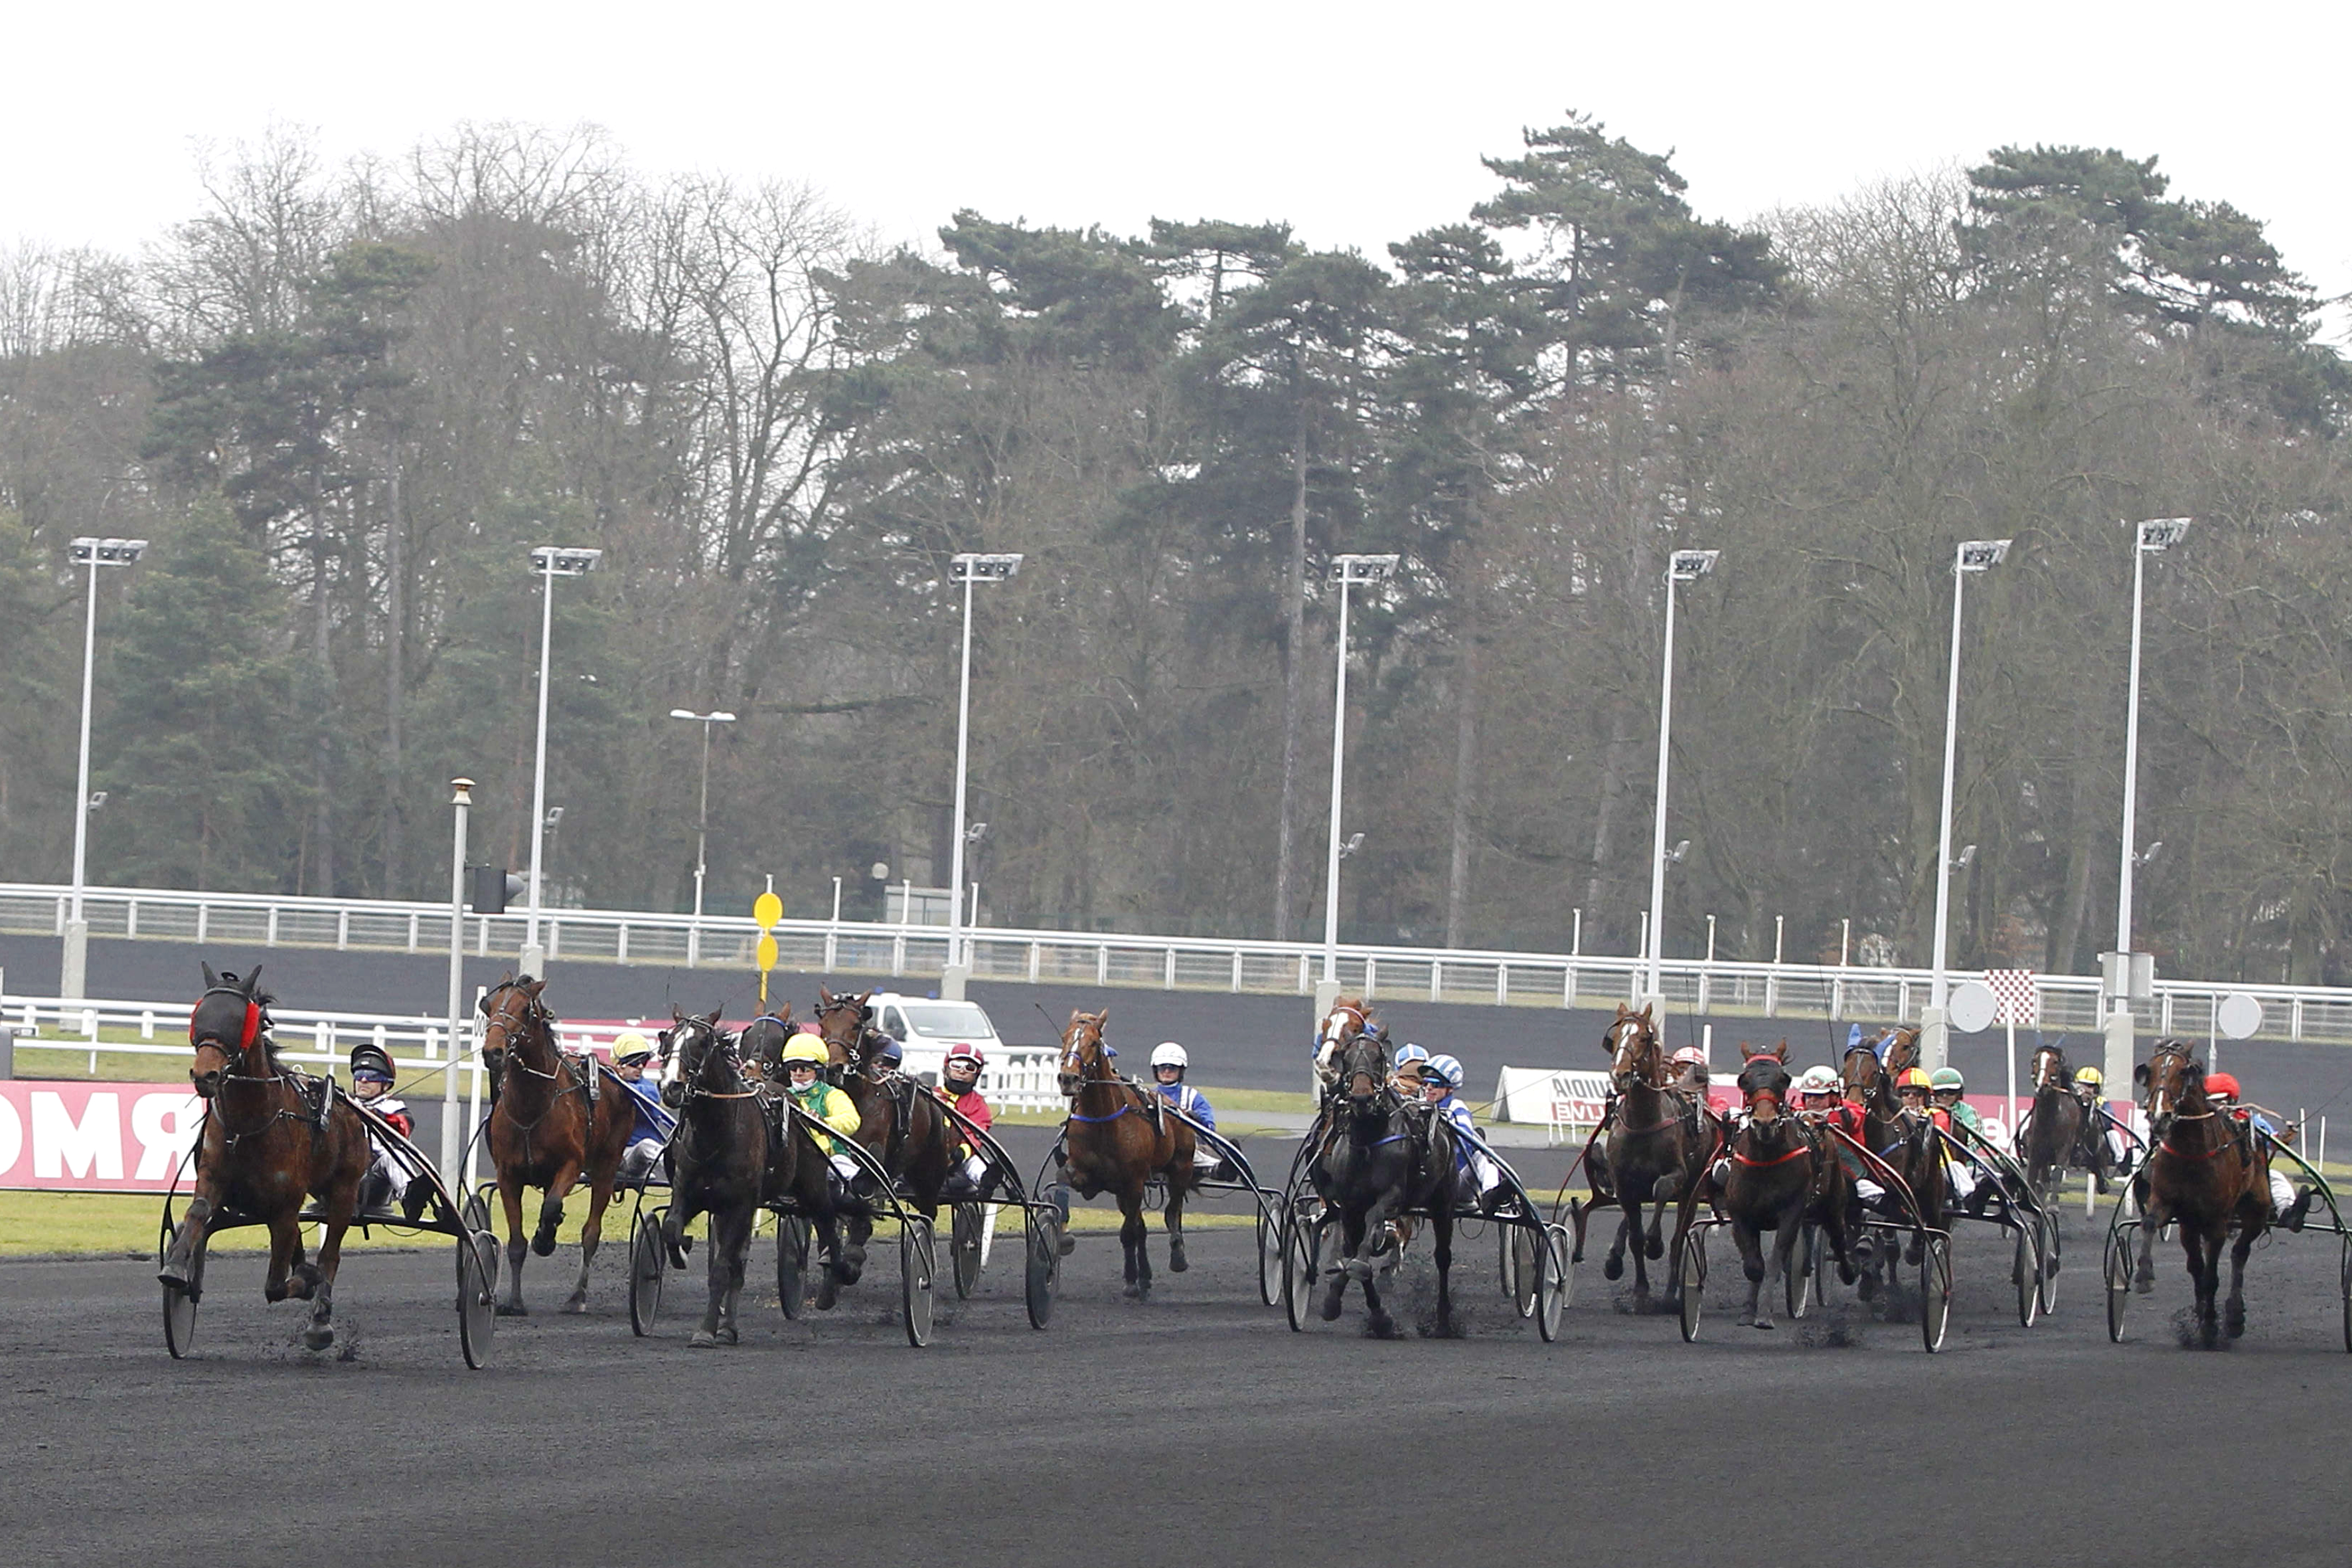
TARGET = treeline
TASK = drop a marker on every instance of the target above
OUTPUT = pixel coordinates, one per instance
(345, 402)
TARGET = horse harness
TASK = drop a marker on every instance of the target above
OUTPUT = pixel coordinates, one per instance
(313, 1093)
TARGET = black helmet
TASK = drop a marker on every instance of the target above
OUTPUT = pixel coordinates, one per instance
(371, 1060)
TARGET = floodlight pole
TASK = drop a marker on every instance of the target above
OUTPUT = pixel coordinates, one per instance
(1970, 556)
(1681, 567)
(2152, 536)
(73, 970)
(1348, 571)
(461, 800)
(968, 568)
(553, 561)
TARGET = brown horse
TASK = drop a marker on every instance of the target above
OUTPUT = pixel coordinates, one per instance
(1906, 1140)
(1348, 1017)
(901, 1123)
(1116, 1140)
(2055, 1125)
(272, 1137)
(2205, 1172)
(546, 1133)
(1655, 1143)
(1779, 1173)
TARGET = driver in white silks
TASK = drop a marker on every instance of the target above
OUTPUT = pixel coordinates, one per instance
(1477, 1177)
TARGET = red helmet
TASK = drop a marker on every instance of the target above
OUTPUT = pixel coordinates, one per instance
(1691, 1056)
(2221, 1085)
(964, 1053)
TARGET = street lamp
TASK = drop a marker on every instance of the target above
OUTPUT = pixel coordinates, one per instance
(461, 799)
(1347, 571)
(551, 560)
(1681, 567)
(74, 969)
(967, 569)
(702, 815)
(1973, 556)
(2152, 536)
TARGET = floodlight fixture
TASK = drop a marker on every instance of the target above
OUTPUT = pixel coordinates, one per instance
(1690, 565)
(1980, 554)
(971, 567)
(565, 561)
(2158, 534)
(87, 551)
(1348, 569)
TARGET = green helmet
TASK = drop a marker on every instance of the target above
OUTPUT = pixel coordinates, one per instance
(1947, 1078)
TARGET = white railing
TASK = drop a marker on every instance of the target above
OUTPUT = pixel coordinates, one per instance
(1018, 1078)
(1792, 990)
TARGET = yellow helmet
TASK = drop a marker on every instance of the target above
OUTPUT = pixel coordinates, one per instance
(1914, 1078)
(805, 1048)
(2091, 1076)
(631, 1047)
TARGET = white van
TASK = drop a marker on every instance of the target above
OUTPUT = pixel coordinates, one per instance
(927, 1028)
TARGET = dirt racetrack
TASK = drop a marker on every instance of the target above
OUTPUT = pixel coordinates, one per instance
(1193, 1429)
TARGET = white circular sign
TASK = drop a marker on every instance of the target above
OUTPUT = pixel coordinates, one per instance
(2238, 1017)
(1973, 1005)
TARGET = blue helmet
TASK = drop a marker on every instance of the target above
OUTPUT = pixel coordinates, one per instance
(1446, 1069)
(1410, 1053)
(887, 1050)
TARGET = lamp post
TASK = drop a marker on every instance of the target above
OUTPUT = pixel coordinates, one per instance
(2153, 536)
(967, 569)
(702, 812)
(552, 560)
(1347, 571)
(74, 967)
(1681, 567)
(461, 799)
(1972, 556)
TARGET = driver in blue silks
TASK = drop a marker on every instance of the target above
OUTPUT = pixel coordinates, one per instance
(630, 1052)
(1440, 1078)
(1168, 1062)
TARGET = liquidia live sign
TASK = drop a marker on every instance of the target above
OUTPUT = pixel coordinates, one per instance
(96, 1137)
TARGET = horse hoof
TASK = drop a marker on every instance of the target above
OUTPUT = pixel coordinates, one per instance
(578, 1305)
(543, 1244)
(1613, 1267)
(1330, 1309)
(1655, 1249)
(2234, 1321)
(1176, 1264)
(703, 1339)
(827, 1295)
(517, 1311)
(1767, 1324)
(318, 1336)
(2144, 1286)
(1067, 1245)
(1868, 1289)
(726, 1335)
(1746, 1319)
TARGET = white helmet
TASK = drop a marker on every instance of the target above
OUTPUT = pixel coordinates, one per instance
(1411, 1054)
(1446, 1069)
(1168, 1054)
(1818, 1079)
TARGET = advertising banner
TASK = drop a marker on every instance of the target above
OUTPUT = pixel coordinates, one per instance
(95, 1137)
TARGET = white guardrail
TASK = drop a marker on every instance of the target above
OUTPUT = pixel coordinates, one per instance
(1796, 991)
(1018, 1078)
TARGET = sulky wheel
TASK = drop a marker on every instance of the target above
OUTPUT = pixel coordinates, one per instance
(1269, 1250)
(963, 1249)
(646, 1268)
(2119, 1269)
(917, 1248)
(1692, 1273)
(2346, 1278)
(180, 1301)
(791, 1264)
(1551, 1288)
(2046, 1222)
(1041, 1264)
(1301, 1241)
(1935, 1290)
(1525, 1277)
(478, 1302)
(2026, 1273)
(1798, 1278)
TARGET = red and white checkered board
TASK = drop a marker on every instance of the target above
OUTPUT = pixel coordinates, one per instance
(2014, 990)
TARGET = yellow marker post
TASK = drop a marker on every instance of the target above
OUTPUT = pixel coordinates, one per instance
(766, 910)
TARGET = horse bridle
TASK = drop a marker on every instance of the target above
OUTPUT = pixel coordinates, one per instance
(1645, 1035)
(725, 1049)
(233, 1059)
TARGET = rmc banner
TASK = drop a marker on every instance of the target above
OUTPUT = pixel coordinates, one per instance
(96, 1137)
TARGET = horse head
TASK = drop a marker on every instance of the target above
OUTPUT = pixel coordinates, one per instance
(514, 1017)
(1635, 1053)
(840, 1023)
(2174, 1084)
(763, 1040)
(1899, 1050)
(1363, 1073)
(1764, 1083)
(696, 1054)
(229, 1028)
(2049, 1068)
(1084, 1057)
(1866, 1080)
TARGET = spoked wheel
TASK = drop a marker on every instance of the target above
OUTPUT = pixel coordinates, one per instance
(2047, 1222)
(1799, 1278)
(180, 1301)
(1693, 1274)
(917, 1246)
(791, 1264)
(1527, 1271)
(1269, 1251)
(963, 1249)
(1041, 1267)
(646, 1267)
(2347, 1280)
(1302, 1242)
(1824, 1267)
(1935, 1290)
(2120, 1282)
(1550, 1261)
(475, 1212)
(478, 1302)
(2027, 1272)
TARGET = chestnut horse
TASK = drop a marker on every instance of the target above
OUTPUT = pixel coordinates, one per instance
(2204, 1172)
(546, 1133)
(271, 1138)
(1116, 1140)
(1348, 1017)
(1655, 1143)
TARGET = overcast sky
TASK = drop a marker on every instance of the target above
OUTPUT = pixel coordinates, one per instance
(1358, 122)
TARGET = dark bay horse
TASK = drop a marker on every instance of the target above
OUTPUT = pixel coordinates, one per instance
(1117, 1141)
(799, 1164)
(272, 1137)
(1346, 1017)
(2204, 1172)
(1379, 1155)
(1780, 1172)
(720, 1161)
(896, 1119)
(2055, 1124)
(545, 1133)
(1656, 1143)
(1906, 1139)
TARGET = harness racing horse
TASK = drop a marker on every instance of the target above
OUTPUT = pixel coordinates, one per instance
(800, 1167)
(547, 1132)
(2203, 1173)
(2055, 1126)
(1116, 1140)
(1906, 1142)
(1655, 1143)
(896, 1118)
(1781, 1172)
(1348, 1018)
(271, 1138)
(1380, 1155)
(721, 1161)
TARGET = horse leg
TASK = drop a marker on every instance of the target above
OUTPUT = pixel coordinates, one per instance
(285, 1249)
(179, 1259)
(510, 1200)
(550, 1212)
(829, 1242)
(1132, 1233)
(1351, 1231)
(2153, 1217)
(730, 1233)
(2234, 1321)
(1174, 1220)
(592, 1232)
(341, 1203)
(1751, 1263)
(1784, 1245)
(1443, 1224)
(1613, 1266)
